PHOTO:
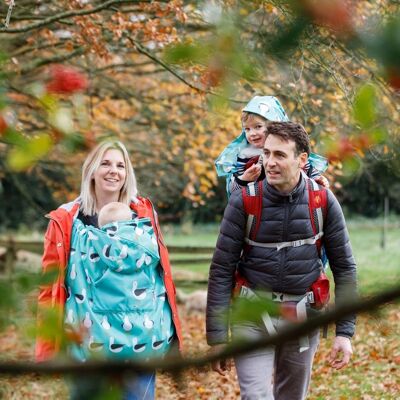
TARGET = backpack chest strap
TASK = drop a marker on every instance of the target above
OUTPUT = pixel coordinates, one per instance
(278, 246)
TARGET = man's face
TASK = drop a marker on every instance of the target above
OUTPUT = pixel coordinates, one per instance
(255, 128)
(282, 165)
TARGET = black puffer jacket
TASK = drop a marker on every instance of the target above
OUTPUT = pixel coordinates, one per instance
(289, 270)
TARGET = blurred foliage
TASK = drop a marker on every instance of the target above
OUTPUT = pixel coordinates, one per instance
(13, 289)
(27, 196)
(250, 310)
(169, 79)
(379, 178)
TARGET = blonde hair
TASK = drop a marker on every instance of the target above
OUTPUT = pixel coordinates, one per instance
(90, 166)
(114, 211)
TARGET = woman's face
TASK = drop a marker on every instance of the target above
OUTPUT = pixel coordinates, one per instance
(111, 174)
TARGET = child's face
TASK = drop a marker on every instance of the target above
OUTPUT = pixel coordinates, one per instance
(255, 128)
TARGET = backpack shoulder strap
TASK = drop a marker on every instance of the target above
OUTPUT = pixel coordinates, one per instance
(252, 203)
(317, 205)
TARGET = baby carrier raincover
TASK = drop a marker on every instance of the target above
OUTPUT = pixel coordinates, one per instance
(116, 292)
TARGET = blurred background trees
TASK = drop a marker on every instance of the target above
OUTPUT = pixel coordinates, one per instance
(169, 79)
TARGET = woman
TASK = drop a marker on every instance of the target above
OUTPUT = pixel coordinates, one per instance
(114, 292)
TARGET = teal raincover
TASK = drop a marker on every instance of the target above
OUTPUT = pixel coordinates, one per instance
(116, 294)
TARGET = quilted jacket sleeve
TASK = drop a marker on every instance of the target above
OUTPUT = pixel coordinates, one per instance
(341, 261)
(222, 271)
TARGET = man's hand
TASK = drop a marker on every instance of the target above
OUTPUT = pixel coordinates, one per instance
(251, 174)
(341, 345)
(220, 366)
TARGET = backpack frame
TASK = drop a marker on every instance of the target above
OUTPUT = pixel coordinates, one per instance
(317, 205)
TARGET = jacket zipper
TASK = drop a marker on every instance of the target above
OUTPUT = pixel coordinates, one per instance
(283, 251)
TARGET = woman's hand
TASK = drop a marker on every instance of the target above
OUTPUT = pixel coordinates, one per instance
(251, 174)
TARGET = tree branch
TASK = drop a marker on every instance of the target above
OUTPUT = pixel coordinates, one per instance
(176, 365)
(68, 14)
(198, 89)
(56, 59)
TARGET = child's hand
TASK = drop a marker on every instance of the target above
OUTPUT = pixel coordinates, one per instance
(322, 181)
(251, 174)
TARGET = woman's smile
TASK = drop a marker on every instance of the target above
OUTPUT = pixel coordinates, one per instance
(111, 173)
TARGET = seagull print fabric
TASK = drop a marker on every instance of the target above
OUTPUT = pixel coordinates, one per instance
(115, 292)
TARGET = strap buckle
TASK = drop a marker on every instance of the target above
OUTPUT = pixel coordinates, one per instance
(278, 297)
(247, 293)
(310, 297)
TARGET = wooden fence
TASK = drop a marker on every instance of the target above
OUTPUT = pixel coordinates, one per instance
(179, 254)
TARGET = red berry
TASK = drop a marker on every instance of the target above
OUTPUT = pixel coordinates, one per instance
(3, 125)
(66, 80)
(393, 78)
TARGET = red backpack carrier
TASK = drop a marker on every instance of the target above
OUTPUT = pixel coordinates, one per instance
(317, 205)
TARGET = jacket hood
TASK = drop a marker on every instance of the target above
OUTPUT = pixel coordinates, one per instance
(267, 107)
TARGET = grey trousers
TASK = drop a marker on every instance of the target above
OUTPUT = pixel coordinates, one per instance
(275, 373)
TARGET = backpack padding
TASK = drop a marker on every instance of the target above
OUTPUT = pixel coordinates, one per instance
(317, 206)
(252, 204)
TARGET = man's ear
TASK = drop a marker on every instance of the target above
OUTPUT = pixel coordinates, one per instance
(303, 158)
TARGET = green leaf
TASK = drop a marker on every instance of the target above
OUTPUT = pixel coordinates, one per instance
(113, 392)
(62, 120)
(186, 53)
(8, 303)
(288, 38)
(49, 102)
(49, 326)
(30, 151)
(18, 160)
(378, 135)
(40, 145)
(364, 107)
(13, 137)
(7, 298)
(74, 142)
(26, 282)
(244, 65)
(351, 166)
(48, 277)
(252, 310)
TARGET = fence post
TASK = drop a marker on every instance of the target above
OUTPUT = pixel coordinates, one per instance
(385, 220)
(10, 258)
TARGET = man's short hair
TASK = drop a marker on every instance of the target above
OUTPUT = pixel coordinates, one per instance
(291, 131)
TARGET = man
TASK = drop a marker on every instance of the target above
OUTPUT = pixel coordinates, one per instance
(288, 272)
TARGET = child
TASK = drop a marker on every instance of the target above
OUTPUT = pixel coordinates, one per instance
(113, 212)
(240, 161)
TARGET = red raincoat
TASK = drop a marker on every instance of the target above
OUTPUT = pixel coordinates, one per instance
(55, 257)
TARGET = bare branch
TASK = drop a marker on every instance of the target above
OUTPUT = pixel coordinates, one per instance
(68, 14)
(198, 89)
(56, 59)
(292, 331)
